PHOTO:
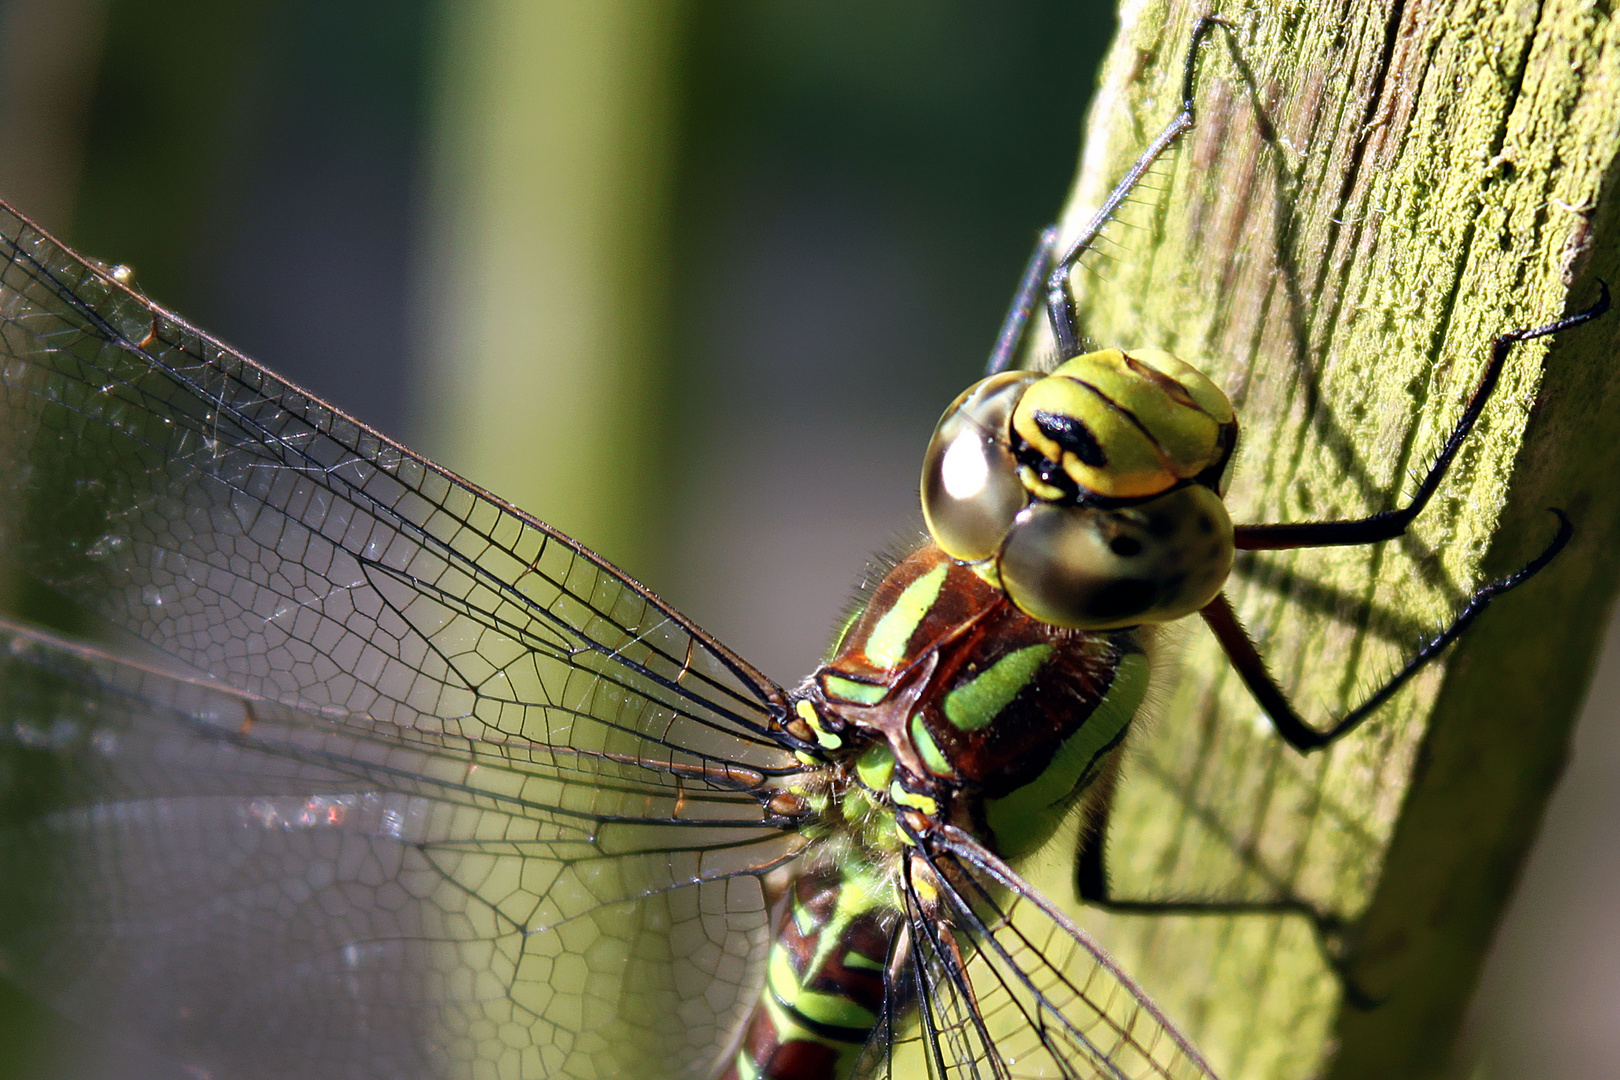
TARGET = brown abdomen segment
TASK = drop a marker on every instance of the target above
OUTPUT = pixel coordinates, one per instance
(824, 986)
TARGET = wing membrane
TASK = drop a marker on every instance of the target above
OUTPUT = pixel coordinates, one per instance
(168, 485)
(1013, 989)
(381, 776)
(438, 791)
(259, 891)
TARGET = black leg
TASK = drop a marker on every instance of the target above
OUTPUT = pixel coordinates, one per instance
(1059, 301)
(1024, 303)
(1388, 524)
(1091, 882)
(1290, 725)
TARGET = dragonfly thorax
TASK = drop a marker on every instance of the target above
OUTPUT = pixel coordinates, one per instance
(1092, 495)
(943, 697)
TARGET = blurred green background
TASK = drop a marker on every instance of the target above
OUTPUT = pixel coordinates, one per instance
(689, 280)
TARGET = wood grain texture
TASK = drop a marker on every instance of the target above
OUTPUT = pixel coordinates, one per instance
(1443, 173)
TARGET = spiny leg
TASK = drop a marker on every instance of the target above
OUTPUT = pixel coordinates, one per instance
(1239, 647)
(1241, 652)
(1053, 273)
(1091, 884)
(1059, 300)
(1388, 524)
(1024, 302)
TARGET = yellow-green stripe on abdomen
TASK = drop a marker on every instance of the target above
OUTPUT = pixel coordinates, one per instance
(824, 987)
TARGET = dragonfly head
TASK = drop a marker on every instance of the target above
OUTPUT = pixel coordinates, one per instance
(1091, 495)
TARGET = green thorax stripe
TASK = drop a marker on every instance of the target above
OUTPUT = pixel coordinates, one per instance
(976, 703)
(885, 645)
(1025, 818)
(839, 688)
(932, 756)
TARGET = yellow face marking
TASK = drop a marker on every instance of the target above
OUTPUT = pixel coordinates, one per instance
(1127, 463)
(1138, 422)
(1205, 395)
(886, 644)
(1038, 487)
(1186, 437)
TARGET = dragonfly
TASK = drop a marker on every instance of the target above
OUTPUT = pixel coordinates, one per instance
(320, 760)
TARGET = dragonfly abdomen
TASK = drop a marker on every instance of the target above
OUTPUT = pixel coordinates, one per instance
(824, 984)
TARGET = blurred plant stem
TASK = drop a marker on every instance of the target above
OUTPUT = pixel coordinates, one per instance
(545, 276)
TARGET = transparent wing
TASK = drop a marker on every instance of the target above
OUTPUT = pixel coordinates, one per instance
(258, 891)
(1008, 987)
(459, 760)
(162, 482)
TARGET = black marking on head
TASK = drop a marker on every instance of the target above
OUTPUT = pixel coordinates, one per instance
(1225, 443)
(1125, 546)
(1071, 433)
(1123, 598)
(1049, 471)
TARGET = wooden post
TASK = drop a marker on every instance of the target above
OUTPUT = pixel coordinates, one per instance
(1443, 172)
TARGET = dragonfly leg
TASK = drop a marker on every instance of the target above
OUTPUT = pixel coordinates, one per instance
(1331, 931)
(1025, 300)
(1059, 300)
(1241, 652)
(1388, 524)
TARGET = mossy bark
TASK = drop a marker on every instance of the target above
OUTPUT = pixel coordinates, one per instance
(1442, 173)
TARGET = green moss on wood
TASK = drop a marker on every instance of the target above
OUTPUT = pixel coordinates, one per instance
(1444, 175)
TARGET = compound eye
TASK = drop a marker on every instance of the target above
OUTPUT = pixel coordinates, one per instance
(1127, 425)
(970, 487)
(1095, 569)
